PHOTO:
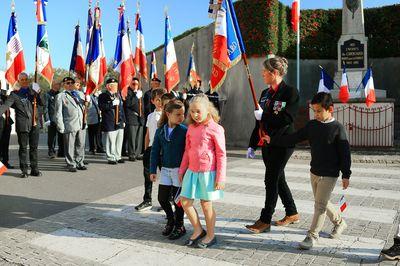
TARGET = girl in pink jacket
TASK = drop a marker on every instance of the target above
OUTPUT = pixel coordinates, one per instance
(203, 168)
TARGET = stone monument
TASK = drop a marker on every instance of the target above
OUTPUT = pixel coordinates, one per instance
(353, 49)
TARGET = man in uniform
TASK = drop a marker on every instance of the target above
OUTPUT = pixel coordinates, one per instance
(113, 119)
(70, 106)
(26, 100)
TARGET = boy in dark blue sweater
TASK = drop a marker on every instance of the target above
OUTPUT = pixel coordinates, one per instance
(330, 154)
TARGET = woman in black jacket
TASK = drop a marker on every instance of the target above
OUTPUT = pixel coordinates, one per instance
(278, 107)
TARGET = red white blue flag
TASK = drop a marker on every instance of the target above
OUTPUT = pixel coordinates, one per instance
(123, 56)
(43, 60)
(103, 60)
(15, 63)
(171, 70)
(89, 30)
(140, 52)
(77, 64)
(192, 75)
(228, 45)
(326, 82)
(153, 69)
(344, 94)
(369, 88)
(342, 204)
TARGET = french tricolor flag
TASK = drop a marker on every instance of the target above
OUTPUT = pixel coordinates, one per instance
(140, 52)
(369, 88)
(123, 55)
(153, 69)
(342, 203)
(93, 58)
(15, 63)
(171, 70)
(3, 168)
(103, 60)
(344, 94)
(41, 11)
(192, 75)
(325, 83)
(77, 64)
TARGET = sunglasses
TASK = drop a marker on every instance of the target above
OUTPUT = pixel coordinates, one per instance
(69, 83)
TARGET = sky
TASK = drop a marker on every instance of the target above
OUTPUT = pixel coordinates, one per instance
(63, 15)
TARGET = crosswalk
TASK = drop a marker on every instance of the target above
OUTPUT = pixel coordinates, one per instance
(101, 247)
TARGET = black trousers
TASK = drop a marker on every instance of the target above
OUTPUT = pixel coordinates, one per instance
(95, 138)
(275, 159)
(164, 195)
(30, 138)
(5, 134)
(148, 184)
(52, 136)
(135, 140)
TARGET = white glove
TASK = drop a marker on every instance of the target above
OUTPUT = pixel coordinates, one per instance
(87, 98)
(139, 94)
(184, 96)
(35, 87)
(115, 101)
(258, 113)
(47, 123)
(8, 92)
(250, 153)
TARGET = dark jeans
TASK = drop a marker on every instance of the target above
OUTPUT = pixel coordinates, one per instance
(135, 140)
(95, 138)
(31, 138)
(164, 195)
(275, 159)
(52, 133)
(148, 184)
(5, 133)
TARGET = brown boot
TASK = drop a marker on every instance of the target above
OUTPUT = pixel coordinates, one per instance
(292, 219)
(259, 227)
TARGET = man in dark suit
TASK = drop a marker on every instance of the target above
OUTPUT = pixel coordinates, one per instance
(194, 90)
(148, 106)
(25, 100)
(52, 133)
(135, 113)
(5, 132)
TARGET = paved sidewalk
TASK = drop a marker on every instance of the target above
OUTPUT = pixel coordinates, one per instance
(110, 232)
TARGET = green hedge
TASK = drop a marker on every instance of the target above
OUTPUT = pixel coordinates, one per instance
(266, 28)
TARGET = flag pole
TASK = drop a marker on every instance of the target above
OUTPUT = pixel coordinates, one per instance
(298, 48)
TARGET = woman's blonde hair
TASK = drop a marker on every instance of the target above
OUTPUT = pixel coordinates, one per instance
(276, 63)
(203, 100)
(169, 107)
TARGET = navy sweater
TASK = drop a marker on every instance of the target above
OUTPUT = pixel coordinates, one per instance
(168, 150)
(330, 149)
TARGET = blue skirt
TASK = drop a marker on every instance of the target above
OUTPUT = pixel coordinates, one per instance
(200, 185)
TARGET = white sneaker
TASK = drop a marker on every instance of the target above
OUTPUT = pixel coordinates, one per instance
(338, 230)
(308, 242)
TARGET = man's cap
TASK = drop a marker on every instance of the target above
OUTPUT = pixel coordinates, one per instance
(68, 79)
(111, 80)
(156, 79)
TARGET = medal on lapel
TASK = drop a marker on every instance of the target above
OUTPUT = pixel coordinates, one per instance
(278, 106)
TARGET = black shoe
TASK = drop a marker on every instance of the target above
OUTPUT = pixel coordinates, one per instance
(193, 242)
(132, 159)
(72, 169)
(139, 157)
(82, 167)
(36, 173)
(52, 156)
(393, 253)
(100, 151)
(144, 206)
(85, 162)
(125, 154)
(203, 245)
(169, 227)
(9, 166)
(23, 175)
(178, 232)
(121, 161)
(112, 162)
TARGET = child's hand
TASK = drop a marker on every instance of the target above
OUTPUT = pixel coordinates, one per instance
(180, 176)
(345, 183)
(219, 186)
(153, 177)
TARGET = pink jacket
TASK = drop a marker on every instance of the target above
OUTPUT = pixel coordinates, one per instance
(205, 150)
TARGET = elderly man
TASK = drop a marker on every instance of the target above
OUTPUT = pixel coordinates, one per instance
(25, 100)
(70, 106)
(113, 119)
(53, 134)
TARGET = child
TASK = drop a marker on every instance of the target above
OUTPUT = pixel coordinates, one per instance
(330, 153)
(169, 145)
(203, 168)
(151, 125)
